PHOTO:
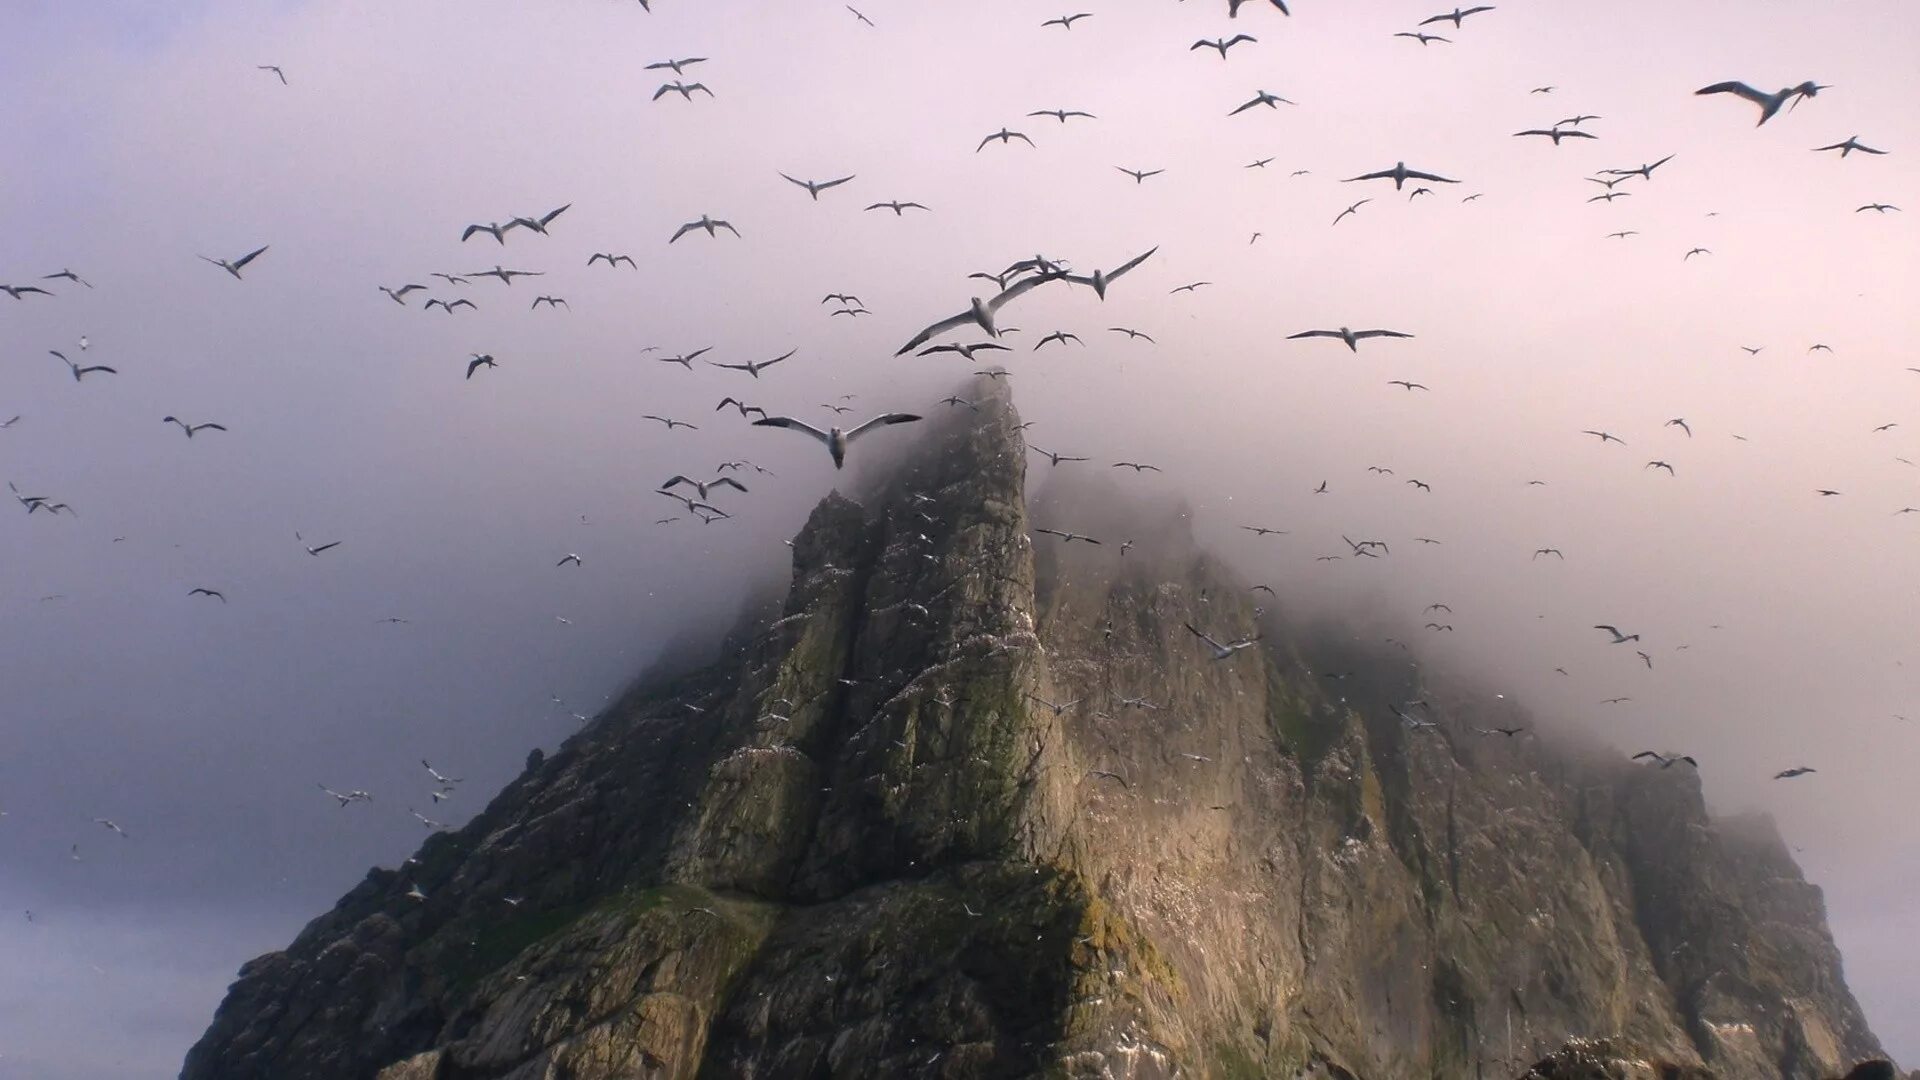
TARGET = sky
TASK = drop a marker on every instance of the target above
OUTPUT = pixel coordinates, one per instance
(1778, 621)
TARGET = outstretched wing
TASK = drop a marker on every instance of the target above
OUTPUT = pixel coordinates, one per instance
(1379, 333)
(797, 425)
(1203, 637)
(1020, 287)
(1137, 259)
(1313, 333)
(934, 331)
(881, 421)
(1740, 88)
(248, 257)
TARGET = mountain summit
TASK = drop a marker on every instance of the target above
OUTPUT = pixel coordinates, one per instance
(977, 804)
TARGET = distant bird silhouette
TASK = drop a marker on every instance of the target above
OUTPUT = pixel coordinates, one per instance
(1769, 103)
(234, 267)
(1848, 146)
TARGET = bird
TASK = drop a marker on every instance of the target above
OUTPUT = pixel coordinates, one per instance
(702, 488)
(479, 361)
(1139, 175)
(68, 275)
(1410, 386)
(1136, 466)
(107, 823)
(1262, 97)
(1681, 423)
(539, 224)
(1456, 16)
(448, 307)
(1068, 537)
(1695, 251)
(1067, 21)
(980, 311)
(1352, 338)
(1879, 207)
(281, 75)
(1645, 172)
(1556, 134)
(1422, 486)
(1618, 637)
(551, 301)
(843, 299)
(1623, 234)
(1575, 121)
(686, 360)
(346, 797)
(1543, 90)
(1885, 427)
(234, 267)
(1666, 761)
(1400, 174)
(1819, 348)
(612, 260)
(836, 439)
(858, 15)
(672, 423)
(1190, 286)
(899, 208)
(1354, 209)
(1261, 530)
(1053, 458)
(316, 550)
(1131, 334)
(1222, 44)
(1769, 103)
(1848, 146)
(1057, 708)
(1605, 437)
(17, 291)
(1537, 552)
(1004, 136)
(684, 89)
(495, 229)
(1788, 774)
(191, 428)
(1220, 651)
(754, 367)
(80, 373)
(1060, 336)
(966, 351)
(1062, 114)
(568, 558)
(1661, 465)
(742, 406)
(451, 279)
(1509, 732)
(710, 224)
(1423, 39)
(399, 295)
(1100, 279)
(678, 67)
(815, 187)
(506, 276)
(1825, 492)
(9, 421)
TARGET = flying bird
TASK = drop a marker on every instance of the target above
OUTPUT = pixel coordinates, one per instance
(505, 275)
(539, 224)
(1556, 134)
(815, 187)
(612, 260)
(1681, 423)
(569, 558)
(980, 312)
(1618, 637)
(17, 291)
(755, 367)
(671, 423)
(1423, 39)
(191, 428)
(1139, 175)
(1004, 136)
(1352, 338)
(1067, 21)
(899, 208)
(281, 75)
(684, 89)
(1769, 103)
(1456, 16)
(399, 295)
(316, 550)
(1645, 172)
(1222, 44)
(1400, 174)
(1788, 774)
(552, 302)
(1060, 336)
(1188, 287)
(215, 593)
(1262, 97)
(677, 66)
(479, 361)
(708, 223)
(1879, 207)
(1062, 114)
(448, 307)
(1100, 279)
(1851, 143)
(836, 439)
(234, 267)
(79, 373)
(1053, 458)
(1665, 761)
(1409, 385)
(702, 488)
(1354, 209)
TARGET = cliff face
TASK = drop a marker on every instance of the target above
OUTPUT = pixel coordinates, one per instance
(866, 842)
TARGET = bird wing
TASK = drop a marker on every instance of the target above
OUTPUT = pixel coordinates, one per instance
(551, 214)
(1429, 176)
(248, 257)
(797, 425)
(936, 329)
(730, 482)
(881, 421)
(1313, 333)
(1133, 262)
(1379, 333)
(1739, 88)
(1203, 637)
(684, 230)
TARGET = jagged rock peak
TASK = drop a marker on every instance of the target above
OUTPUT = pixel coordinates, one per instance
(927, 822)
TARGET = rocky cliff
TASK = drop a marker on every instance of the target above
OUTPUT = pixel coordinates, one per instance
(970, 807)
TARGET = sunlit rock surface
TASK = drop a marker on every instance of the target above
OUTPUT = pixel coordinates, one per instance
(862, 843)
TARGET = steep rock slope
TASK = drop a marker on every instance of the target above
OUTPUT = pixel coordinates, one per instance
(969, 808)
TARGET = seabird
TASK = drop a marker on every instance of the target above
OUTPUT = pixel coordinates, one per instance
(672, 423)
(1067, 21)
(1188, 287)
(1661, 465)
(1062, 114)
(964, 350)
(17, 291)
(551, 301)
(1222, 44)
(68, 275)
(1222, 652)
(1400, 174)
(479, 361)
(708, 223)
(1355, 208)
(1262, 97)
(1618, 637)
(677, 66)
(815, 187)
(1060, 336)
(1456, 16)
(1139, 175)
(1053, 458)
(1423, 39)
(493, 228)
(1100, 279)
(755, 367)
(1136, 466)
(1351, 337)
(281, 75)
(568, 558)
(1537, 552)
(505, 275)
(900, 208)
(1556, 134)
(1769, 103)
(1261, 530)
(836, 439)
(742, 406)
(1605, 437)
(1068, 537)
(1666, 761)
(684, 89)
(240, 263)
(428, 306)
(398, 295)
(1004, 136)
(1879, 207)
(702, 488)
(1788, 774)
(980, 311)
(1645, 172)
(79, 372)
(191, 428)
(1131, 334)
(612, 260)
(1848, 146)
(539, 224)
(1681, 423)
(1409, 385)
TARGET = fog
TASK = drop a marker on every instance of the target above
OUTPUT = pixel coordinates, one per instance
(1778, 622)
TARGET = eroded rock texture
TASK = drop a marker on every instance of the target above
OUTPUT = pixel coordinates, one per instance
(865, 842)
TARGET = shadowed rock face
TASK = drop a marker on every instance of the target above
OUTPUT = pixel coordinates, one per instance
(864, 842)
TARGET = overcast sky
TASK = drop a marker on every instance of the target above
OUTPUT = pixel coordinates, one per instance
(141, 135)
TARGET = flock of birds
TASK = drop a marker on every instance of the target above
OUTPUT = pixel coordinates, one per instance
(977, 330)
